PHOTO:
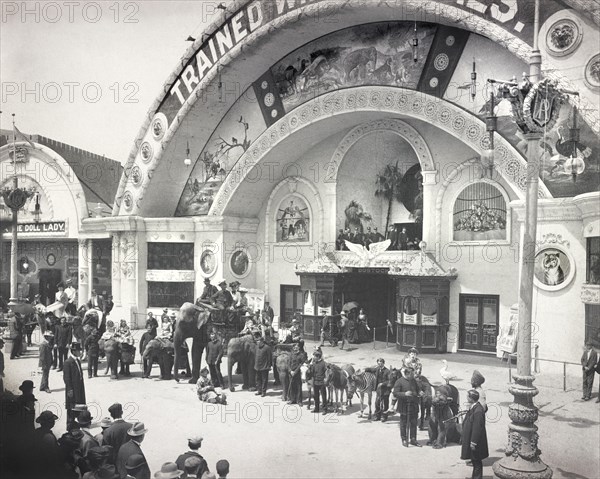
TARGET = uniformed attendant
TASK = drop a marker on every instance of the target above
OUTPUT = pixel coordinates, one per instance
(406, 391)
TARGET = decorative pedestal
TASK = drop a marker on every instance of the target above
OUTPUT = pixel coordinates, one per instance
(522, 459)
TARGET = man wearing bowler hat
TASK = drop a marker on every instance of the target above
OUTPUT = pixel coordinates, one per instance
(45, 445)
(194, 443)
(116, 434)
(136, 434)
(73, 378)
(169, 470)
(87, 440)
(45, 361)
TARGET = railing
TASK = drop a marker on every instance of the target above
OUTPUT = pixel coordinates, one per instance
(391, 336)
(536, 366)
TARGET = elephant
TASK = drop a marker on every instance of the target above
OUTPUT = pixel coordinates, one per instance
(242, 351)
(282, 355)
(110, 347)
(160, 350)
(191, 323)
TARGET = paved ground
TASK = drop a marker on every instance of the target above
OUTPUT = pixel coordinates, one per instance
(261, 437)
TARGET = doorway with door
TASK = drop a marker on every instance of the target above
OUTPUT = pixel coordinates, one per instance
(478, 322)
(292, 302)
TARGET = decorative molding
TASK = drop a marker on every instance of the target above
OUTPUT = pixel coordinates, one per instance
(462, 125)
(563, 37)
(590, 293)
(170, 275)
(401, 128)
(553, 239)
(591, 74)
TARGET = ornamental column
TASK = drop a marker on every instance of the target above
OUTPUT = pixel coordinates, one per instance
(428, 216)
(90, 268)
(83, 285)
(116, 269)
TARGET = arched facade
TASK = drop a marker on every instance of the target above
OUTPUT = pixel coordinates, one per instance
(271, 146)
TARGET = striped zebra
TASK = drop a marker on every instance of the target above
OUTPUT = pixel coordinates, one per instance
(365, 384)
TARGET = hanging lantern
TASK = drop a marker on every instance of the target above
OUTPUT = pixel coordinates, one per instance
(415, 45)
(187, 161)
(473, 82)
(574, 165)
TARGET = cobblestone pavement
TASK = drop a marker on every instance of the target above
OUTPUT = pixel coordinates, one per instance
(263, 437)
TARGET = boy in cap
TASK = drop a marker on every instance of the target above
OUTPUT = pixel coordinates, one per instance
(191, 467)
(206, 390)
(192, 455)
(476, 381)
(45, 361)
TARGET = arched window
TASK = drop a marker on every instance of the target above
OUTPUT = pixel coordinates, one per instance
(480, 214)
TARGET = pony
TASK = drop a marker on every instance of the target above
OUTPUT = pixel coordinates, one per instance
(336, 380)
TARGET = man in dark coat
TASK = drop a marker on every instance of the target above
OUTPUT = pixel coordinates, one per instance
(406, 391)
(474, 436)
(115, 435)
(262, 363)
(297, 359)
(45, 361)
(214, 353)
(96, 301)
(194, 444)
(589, 359)
(45, 446)
(222, 299)
(136, 433)
(63, 337)
(207, 293)
(317, 370)
(73, 378)
(382, 400)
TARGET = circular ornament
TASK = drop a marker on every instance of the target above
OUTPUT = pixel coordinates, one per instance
(433, 82)
(158, 128)
(264, 85)
(450, 40)
(592, 73)
(146, 152)
(128, 200)
(269, 99)
(240, 264)
(563, 37)
(274, 113)
(208, 262)
(441, 62)
(136, 175)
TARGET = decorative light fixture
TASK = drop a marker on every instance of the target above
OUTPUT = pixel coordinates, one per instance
(24, 265)
(415, 45)
(574, 164)
(473, 81)
(187, 161)
(37, 211)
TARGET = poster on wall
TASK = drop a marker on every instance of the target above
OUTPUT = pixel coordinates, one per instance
(508, 338)
(293, 220)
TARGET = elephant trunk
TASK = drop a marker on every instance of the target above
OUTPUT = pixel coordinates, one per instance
(230, 363)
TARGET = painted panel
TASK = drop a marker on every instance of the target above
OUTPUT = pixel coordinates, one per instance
(372, 54)
(242, 124)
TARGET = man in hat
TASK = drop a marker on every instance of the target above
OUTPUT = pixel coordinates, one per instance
(241, 304)
(263, 361)
(268, 311)
(382, 399)
(26, 408)
(222, 299)
(476, 381)
(71, 293)
(135, 465)
(105, 423)
(136, 434)
(45, 361)
(207, 292)
(17, 348)
(406, 391)
(1, 366)
(297, 359)
(115, 435)
(194, 443)
(45, 446)
(153, 323)
(317, 371)
(87, 440)
(96, 301)
(474, 436)
(295, 331)
(73, 378)
(63, 338)
(214, 354)
(169, 470)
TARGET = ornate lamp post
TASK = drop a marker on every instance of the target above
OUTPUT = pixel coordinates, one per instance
(15, 198)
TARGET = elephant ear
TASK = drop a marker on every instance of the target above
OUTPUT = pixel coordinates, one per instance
(203, 318)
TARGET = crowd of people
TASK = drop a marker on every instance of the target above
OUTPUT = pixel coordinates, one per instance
(398, 236)
(114, 451)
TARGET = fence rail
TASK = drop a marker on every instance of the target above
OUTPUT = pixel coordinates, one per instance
(536, 367)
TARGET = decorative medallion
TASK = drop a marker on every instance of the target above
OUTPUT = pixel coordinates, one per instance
(264, 85)
(146, 152)
(269, 99)
(541, 106)
(554, 268)
(450, 40)
(563, 37)
(441, 62)
(208, 262)
(136, 175)
(158, 127)
(592, 73)
(128, 200)
(274, 113)
(240, 264)
(433, 82)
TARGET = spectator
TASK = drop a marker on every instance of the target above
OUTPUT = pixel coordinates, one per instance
(153, 323)
(116, 434)
(191, 468)
(73, 378)
(1, 366)
(87, 441)
(476, 381)
(104, 425)
(206, 391)
(194, 443)
(223, 468)
(97, 458)
(474, 436)
(45, 446)
(63, 337)
(317, 371)
(262, 363)
(588, 365)
(92, 349)
(45, 361)
(136, 434)
(135, 466)
(169, 470)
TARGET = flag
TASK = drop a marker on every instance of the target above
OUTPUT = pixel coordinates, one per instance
(23, 137)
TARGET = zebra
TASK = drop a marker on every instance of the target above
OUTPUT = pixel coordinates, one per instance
(365, 382)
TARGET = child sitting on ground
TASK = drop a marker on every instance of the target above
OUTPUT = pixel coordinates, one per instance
(206, 391)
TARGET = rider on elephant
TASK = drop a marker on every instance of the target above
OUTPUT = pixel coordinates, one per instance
(223, 300)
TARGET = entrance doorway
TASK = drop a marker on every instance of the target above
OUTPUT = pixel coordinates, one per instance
(292, 301)
(478, 320)
(49, 279)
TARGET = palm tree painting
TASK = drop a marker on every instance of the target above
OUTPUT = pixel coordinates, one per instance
(388, 185)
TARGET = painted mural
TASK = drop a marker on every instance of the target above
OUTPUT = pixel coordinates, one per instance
(293, 221)
(242, 124)
(372, 54)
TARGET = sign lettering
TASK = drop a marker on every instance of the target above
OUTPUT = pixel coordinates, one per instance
(42, 228)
